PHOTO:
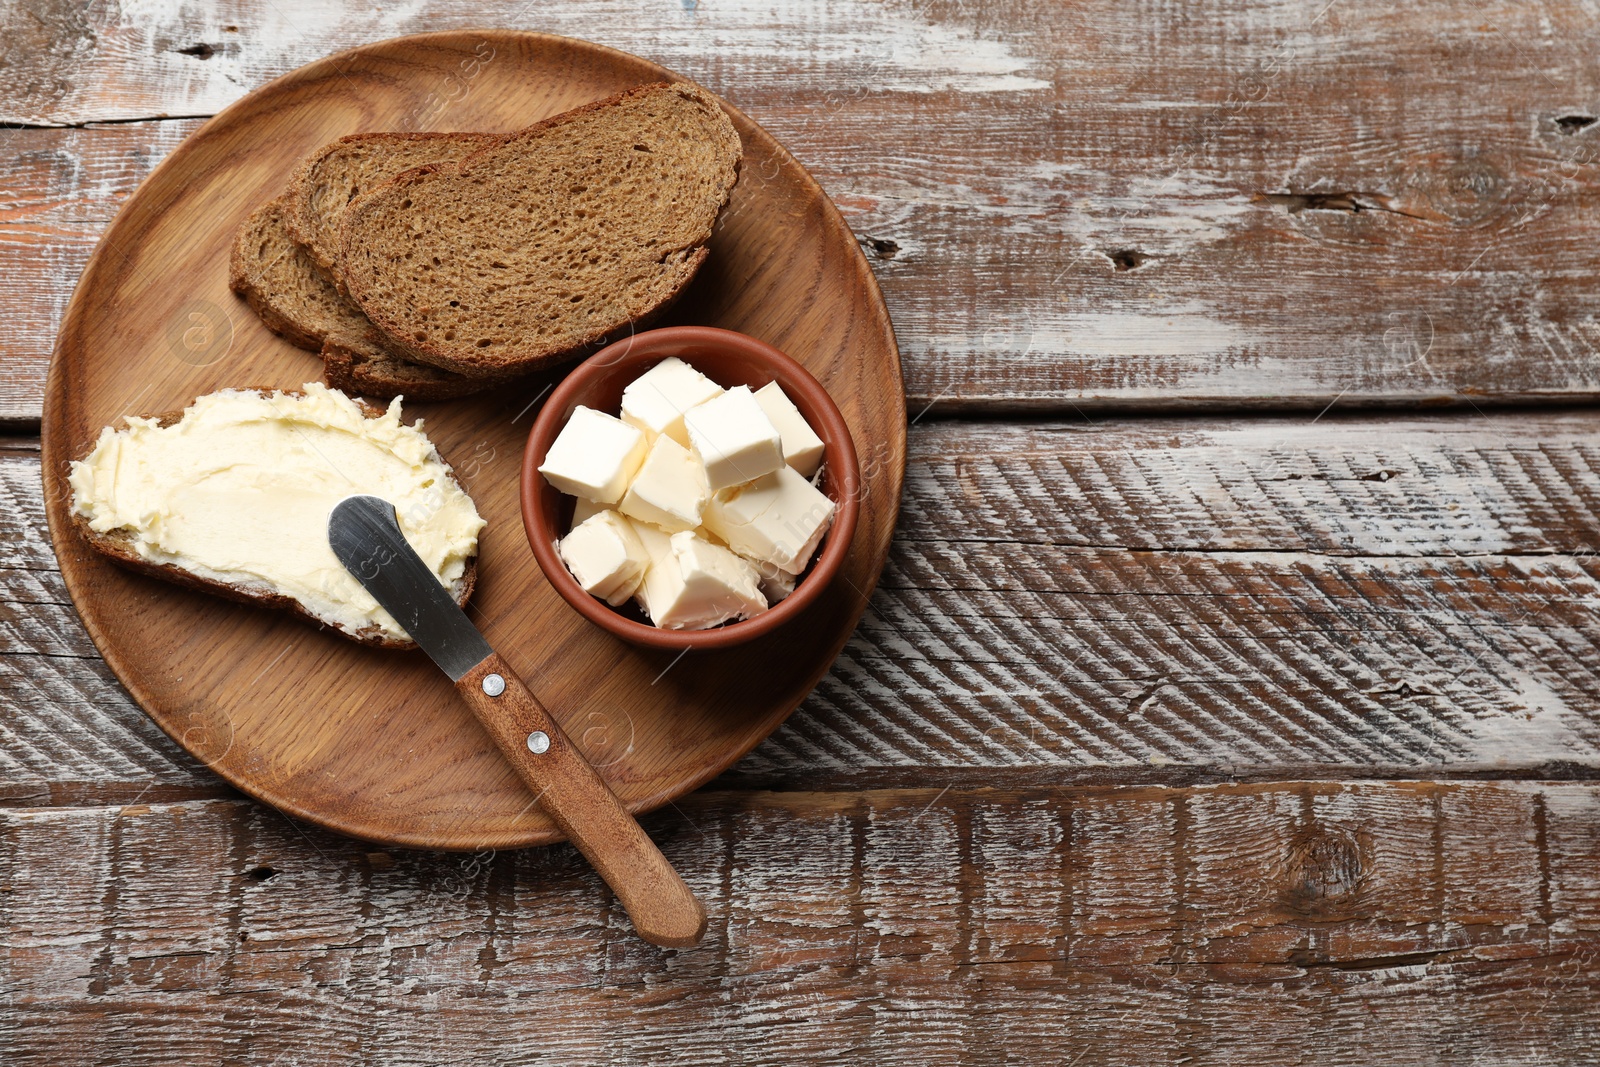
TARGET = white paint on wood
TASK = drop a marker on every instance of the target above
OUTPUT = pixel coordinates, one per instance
(1463, 278)
(1536, 724)
(1187, 329)
(994, 216)
(130, 61)
(1161, 216)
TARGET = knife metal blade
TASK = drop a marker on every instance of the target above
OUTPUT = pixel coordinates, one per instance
(365, 535)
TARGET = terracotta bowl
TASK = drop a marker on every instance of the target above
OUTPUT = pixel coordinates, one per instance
(729, 359)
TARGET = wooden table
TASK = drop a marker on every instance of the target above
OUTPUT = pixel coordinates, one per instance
(1233, 691)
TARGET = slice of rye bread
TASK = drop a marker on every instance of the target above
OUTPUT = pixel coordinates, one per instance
(298, 301)
(334, 175)
(532, 250)
(282, 284)
(361, 366)
(117, 546)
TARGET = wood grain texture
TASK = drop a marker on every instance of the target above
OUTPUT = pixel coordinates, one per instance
(1332, 923)
(1156, 598)
(1088, 204)
(58, 190)
(68, 722)
(1377, 592)
(375, 745)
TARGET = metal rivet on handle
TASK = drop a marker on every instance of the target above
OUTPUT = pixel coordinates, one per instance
(538, 742)
(493, 684)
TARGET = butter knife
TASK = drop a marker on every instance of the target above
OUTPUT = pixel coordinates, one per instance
(365, 535)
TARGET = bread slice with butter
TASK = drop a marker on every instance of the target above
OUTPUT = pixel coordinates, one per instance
(552, 239)
(231, 496)
(296, 300)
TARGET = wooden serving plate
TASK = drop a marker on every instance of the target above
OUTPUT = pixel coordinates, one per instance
(376, 744)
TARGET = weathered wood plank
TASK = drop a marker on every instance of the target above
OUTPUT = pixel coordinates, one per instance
(1087, 204)
(1338, 923)
(1147, 599)
(76, 65)
(59, 188)
(65, 721)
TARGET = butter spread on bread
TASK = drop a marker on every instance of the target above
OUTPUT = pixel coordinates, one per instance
(233, 494)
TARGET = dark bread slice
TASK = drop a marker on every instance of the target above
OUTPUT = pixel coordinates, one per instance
(538, 247)
(330, 178)
(299, 302)
(359, 365)
(281, 283)
(117, 546)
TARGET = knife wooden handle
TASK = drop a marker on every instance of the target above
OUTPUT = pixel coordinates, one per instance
(572, 793)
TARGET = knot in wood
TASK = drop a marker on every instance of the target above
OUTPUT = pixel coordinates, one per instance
(1326, 868)
(1468, 190)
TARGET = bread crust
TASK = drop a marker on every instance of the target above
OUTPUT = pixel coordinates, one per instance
(119, 551)
(362, 368)
(394, 334)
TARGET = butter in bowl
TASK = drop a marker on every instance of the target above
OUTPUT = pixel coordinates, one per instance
(690, 487)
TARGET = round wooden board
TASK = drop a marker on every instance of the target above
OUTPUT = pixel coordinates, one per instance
(377, 744)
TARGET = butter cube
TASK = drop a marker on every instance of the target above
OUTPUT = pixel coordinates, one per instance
(778, 519)
(656, 541)
(656, 400)
(605, 556)
(595, 456)
(669, 490)
(802, 448)
(695, 585)
(583, 508)
(774, 584)
(734, 439)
